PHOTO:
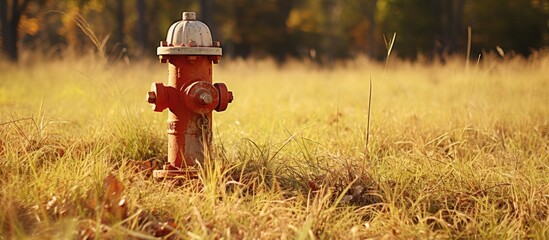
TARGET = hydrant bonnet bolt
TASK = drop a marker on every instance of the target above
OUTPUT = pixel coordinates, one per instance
(157, 97)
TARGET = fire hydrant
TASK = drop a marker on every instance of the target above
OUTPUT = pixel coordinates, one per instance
(190, 95)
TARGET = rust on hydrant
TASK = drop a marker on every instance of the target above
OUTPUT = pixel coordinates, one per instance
(189, 95)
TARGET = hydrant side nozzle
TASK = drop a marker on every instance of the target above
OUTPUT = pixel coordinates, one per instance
(225, 97)
(157, 97)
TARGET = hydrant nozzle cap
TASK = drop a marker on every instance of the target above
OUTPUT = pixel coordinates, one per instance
(189, 16)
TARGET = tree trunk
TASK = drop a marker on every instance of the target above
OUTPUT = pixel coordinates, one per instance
(9, 27)
(207, 16)
(373, 49)
(329, 32)
(285, 7)
(141, 27)
(120, 22)
(452, 24)
(457, 23)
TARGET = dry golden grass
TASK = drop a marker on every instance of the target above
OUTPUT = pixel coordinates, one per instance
(452, 152)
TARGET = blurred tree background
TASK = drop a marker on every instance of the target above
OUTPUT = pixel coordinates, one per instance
(319, 30)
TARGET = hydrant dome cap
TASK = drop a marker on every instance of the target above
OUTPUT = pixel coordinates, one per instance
(189, 37)
(189, 32)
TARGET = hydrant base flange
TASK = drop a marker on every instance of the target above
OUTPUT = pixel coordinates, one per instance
(188, 173)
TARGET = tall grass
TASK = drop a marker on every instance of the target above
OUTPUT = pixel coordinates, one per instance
(445, 159)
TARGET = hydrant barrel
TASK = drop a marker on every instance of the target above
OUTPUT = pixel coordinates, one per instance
(190, 96)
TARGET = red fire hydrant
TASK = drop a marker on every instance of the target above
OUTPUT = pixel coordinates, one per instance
(190, 95)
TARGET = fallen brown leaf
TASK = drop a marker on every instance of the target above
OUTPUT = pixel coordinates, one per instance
(115, 205)
(113, 188)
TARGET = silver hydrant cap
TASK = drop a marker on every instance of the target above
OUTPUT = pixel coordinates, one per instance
(189, 37)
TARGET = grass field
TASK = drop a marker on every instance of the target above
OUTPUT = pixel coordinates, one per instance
(452, 152)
